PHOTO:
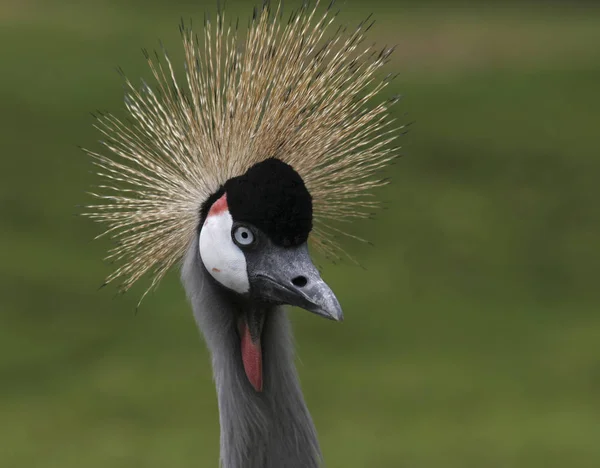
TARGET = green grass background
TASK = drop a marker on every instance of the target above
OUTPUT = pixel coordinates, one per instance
(472, 336)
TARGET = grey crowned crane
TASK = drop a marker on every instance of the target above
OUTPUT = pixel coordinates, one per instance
(231, 173)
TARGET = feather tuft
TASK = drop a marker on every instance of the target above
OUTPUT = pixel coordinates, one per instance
(290, 90)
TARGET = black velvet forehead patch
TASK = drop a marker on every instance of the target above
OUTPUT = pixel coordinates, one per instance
(272, 196)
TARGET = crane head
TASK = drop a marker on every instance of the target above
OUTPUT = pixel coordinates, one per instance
(194, 158)
(253, 242)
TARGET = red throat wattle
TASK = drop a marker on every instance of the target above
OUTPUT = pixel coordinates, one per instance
(252, 358)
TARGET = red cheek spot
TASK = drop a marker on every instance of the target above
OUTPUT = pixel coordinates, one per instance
(219, 206)
(216, 270)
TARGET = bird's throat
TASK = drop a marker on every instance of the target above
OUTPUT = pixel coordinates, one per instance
(252, 358)
(250, 329)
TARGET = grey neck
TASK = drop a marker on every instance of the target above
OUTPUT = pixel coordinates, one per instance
(270, 429)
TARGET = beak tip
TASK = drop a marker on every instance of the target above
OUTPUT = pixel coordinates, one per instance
(336, 313)
(331, 313)
(334, 309)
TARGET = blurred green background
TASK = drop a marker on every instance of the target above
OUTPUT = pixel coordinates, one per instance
(472, 336)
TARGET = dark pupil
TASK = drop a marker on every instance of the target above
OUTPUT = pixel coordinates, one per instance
(244, 234)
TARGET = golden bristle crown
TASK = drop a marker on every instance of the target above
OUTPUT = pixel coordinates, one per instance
(292, 89)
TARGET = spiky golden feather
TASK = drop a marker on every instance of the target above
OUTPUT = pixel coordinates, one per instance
(287, 91)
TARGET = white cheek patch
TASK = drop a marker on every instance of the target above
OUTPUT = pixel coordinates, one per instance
(222, 258)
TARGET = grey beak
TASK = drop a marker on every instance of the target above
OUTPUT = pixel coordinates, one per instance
(286, 275)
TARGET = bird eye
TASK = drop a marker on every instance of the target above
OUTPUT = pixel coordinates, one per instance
(243, 236)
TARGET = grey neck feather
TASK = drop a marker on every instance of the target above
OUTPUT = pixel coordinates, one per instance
(271, 429)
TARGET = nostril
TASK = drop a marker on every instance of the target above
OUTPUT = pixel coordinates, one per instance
(300, 281)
